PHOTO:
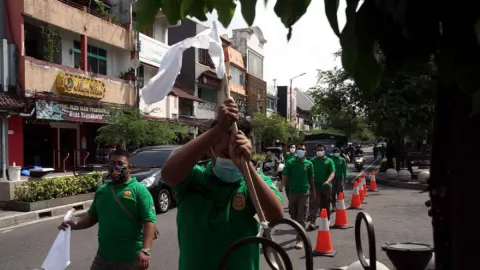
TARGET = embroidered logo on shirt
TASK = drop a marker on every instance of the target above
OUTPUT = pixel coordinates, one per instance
(238, 202)
(304, 168)
(326, 162)
(127, 194)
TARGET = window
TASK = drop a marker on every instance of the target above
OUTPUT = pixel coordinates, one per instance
(238, 76)
(204, 58)
(255, 65)
(271, 104)
(207, 94)
(97, 58)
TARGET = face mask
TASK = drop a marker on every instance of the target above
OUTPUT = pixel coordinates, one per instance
(320, 153)
(336, 154)
(226, 170)
(118, 173)
(300, 153)
(292, 150)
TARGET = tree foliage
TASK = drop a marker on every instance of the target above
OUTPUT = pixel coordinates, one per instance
(131, 127)
(271, 128)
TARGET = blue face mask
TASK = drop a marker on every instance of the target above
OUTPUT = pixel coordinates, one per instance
(300, 153)
(226, 170)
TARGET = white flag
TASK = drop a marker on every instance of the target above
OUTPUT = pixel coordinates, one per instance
(161, 84)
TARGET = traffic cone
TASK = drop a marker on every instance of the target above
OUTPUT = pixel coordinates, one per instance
(324, 241)
(373, 183)
(361, 191)
(356, 202)
(365, 192)
(341, 220)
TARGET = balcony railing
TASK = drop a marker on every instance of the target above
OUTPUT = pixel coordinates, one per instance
(204, 58)
(110, 17)
(208, 106)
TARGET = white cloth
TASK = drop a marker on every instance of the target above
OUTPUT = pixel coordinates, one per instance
(58, 257)
(161, 84)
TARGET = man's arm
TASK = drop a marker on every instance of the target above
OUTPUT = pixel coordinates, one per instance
(148, 216)
(181, 162)
(311, 180)
(345, 171)
(332, 171)
(272, 205)
(86, 222)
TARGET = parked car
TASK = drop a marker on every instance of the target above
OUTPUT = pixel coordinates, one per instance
(147, 164)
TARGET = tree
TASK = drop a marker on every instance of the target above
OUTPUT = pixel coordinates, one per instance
(270, 128)
(408, 33)
(129, 126)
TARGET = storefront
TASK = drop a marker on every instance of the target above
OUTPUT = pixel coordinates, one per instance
(63, 130)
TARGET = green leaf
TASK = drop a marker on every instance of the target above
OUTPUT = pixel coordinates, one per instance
(331, 9)
(348, 39)
(475, 104)
(171, 9)
(185, 6)
(248, 10)
(290, 12)
(197, 9)
(146, 9)
(225, 10)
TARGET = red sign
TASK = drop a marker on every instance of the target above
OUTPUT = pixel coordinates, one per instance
(208, 81)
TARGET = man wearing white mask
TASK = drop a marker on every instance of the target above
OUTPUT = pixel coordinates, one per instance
(298, 175)
(324, 172)
(340, 176)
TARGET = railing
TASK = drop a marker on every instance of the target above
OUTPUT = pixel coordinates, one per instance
(93, 12)
(209, 106)
(77, 155)
(58, 162)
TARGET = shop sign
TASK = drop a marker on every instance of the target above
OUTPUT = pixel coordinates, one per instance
(207, 81)
(151, 51)
(52, 110)
(79, 86)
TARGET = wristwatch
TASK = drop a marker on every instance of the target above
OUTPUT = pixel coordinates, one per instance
(146, 251)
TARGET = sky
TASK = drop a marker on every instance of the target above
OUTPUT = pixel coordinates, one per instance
(311, 47)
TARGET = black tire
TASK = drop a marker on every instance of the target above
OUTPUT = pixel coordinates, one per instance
(162, 200)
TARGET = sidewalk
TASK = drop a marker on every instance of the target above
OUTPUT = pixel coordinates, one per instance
(10, 219)
(382, 180)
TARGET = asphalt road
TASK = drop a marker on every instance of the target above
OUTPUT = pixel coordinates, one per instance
(399, 216)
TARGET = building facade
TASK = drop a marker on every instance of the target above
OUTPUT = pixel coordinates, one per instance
(271, 104)
(73, 63)
(250, 43)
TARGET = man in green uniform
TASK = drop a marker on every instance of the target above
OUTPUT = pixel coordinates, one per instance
(291, 155)
(324, 172)
(214, 207)
(124, 239)
(298, 175)
(340, 176)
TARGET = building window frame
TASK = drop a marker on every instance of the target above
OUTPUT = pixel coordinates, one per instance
(97, 56)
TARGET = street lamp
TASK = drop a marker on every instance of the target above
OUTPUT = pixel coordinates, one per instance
(291, 93)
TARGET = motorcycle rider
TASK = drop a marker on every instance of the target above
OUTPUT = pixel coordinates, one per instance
(340, 176)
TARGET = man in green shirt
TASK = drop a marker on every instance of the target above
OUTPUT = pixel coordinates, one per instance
(289, 157)
(214, 204)
(324, 172)
(298, 175)
(339, 178)
(124, 240)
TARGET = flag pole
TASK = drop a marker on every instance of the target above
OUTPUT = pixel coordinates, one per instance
(248, 180)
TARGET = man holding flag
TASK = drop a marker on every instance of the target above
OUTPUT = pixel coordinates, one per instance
(214, 205)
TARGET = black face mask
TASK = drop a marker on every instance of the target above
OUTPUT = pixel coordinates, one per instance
(118, 173)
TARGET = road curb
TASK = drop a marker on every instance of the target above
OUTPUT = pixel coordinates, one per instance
(399, 184)
(44, 214)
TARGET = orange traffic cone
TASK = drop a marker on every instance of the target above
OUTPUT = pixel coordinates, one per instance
(341, 220)
(361, 191)
(324, 241)
(365, 192)
(356, 202)
(373, 183)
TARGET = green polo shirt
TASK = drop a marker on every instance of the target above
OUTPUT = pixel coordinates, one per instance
(340, 167)
(323, 167)
(120, 237)
(211, 216)
(289, 157)
(299, 172)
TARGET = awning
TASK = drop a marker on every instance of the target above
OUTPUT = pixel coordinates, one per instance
(10, 100)
(184, 94)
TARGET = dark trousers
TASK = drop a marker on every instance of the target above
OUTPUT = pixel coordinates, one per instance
(322, 200)
(99, 263)
(337, 187)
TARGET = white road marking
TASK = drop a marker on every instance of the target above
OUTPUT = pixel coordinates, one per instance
(7, 231)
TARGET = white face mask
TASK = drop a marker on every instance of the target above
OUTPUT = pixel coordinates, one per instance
(320, 153)
(336, 154)
(292, 150)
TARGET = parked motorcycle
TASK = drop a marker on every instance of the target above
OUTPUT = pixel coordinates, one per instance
(359, 162)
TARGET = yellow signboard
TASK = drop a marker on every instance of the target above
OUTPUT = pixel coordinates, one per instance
(79, 86)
